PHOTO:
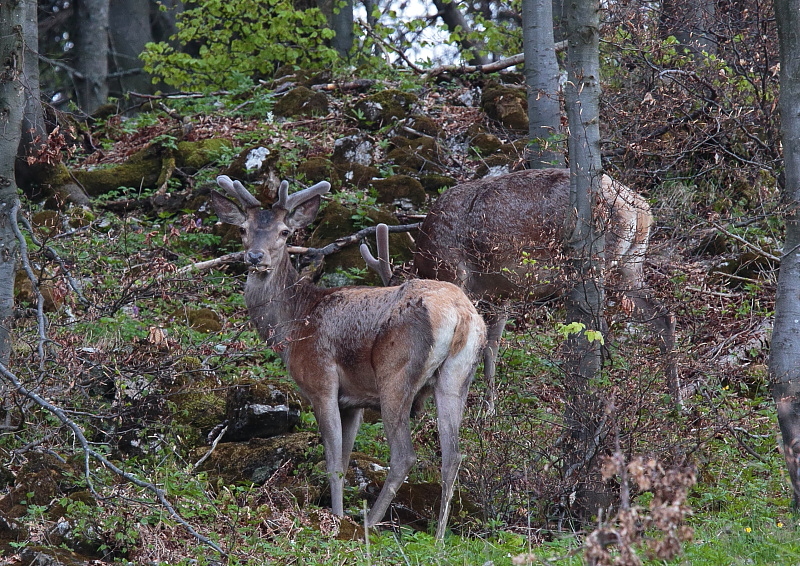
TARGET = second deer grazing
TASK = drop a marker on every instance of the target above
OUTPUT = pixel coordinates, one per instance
(500, 239)
(351, 348)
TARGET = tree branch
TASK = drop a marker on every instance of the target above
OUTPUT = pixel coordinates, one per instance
(88, 452)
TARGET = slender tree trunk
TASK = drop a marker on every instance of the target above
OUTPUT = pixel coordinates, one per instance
(91, 48)
(690, 22)
(129, 30)
(12, 108)
(784, 360)
(586, 426)
(342, 24)
(559, 27)
(541, 78)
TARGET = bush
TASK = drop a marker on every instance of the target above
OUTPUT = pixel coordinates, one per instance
(223, 41)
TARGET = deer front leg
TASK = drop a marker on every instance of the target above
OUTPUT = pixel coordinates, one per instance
(329, 421)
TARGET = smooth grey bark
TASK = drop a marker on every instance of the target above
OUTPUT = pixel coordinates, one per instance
(784, 359)
(91, 51)
(33, 125)
(559, 30)
(12, 108)
(455, 21)
(541, 79)
(342, 24)
(690, 22)
(129, 30)
(584, 416)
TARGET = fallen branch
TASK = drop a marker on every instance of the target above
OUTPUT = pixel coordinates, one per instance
(744, 242)
(89, 453)
(331, 248)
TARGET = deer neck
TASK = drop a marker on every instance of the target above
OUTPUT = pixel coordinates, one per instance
(278, 301)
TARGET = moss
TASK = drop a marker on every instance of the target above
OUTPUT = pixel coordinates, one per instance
(433, 183)
(357, 175)
(424, 125)
(382, 108)
(485, 144)
(203, 320)
(199, 405)
(302, 101)
(197, 154)
(420, 154)
(507, 105)
(399, 187)
(317, 169)
(142, 171)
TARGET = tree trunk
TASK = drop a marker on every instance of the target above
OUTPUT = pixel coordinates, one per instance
(584, 245)
(342, 24)
(91, 50)
(12, 108)
(690, 22)
(129, 31)
(541, 78)
(784, 359)
(455, 21)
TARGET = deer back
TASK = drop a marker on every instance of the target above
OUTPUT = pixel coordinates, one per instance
(502, 237)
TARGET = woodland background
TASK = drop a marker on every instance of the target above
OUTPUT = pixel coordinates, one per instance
(122, 329)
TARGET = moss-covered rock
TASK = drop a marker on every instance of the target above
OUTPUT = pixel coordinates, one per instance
(399, 188)
(485, 143)
(24, 292)
(42, 479)
(382, 108)
(358, 149)
(303, 102)
(199, 405)
(258, 459)
(507, 105)
(424, 125)
(357, 175)
(194, 155)
(315, 169)
(434, 183)
(203, 320)
(419, 154)
(261, 409)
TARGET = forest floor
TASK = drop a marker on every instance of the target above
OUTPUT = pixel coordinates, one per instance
(120, 297)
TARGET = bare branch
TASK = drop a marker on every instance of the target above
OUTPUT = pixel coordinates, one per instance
(90, 453)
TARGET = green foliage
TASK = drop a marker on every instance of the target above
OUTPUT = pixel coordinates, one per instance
(237, 40)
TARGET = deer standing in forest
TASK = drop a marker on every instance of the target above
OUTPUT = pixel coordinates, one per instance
(351, 348)
(501, 240)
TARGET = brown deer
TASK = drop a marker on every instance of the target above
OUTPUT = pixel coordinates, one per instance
(352, 348)
(500, 239)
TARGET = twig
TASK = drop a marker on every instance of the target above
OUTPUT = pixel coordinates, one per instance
(89, 452)
(747, 244)
(26, 264)
(210, 450)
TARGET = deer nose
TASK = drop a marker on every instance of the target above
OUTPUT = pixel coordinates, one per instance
(254, 258)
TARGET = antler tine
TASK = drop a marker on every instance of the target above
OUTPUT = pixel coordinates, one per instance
(290, 202)
(381, 264)
(238, 191)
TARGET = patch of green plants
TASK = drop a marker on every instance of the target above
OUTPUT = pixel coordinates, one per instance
(237, 41)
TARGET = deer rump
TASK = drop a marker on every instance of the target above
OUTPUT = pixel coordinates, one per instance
(501, 238)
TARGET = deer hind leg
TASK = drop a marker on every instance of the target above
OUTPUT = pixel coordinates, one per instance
(495, 323)
(396, 425)
(450, 393)
(662, 322)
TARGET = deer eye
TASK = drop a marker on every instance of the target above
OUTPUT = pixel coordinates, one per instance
(285, 233)
(242, 230)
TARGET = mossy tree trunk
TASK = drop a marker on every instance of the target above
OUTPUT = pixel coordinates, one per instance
(584, 245)
(784, 360)
(12, 107)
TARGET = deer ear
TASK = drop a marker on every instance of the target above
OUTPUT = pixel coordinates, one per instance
(227, 210)
(304, 213)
